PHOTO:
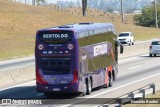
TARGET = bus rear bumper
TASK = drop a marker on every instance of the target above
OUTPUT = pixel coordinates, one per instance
(70, 88)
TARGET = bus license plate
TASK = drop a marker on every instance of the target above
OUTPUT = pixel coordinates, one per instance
(56, 89)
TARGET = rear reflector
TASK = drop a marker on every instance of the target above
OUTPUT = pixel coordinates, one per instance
(39, 78)
(75, 78)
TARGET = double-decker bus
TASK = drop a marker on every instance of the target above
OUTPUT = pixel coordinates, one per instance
(76, 58)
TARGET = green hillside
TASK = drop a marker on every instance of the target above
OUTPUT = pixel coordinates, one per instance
(19, 23)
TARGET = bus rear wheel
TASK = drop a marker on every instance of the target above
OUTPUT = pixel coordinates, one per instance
(85, 89)
(47, 94)
(106, 85)
(110, 80)
(89, 86)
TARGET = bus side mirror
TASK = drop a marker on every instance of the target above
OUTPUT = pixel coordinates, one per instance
(119, 43)
(121, 48)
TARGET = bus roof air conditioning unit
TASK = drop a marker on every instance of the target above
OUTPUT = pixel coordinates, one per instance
(87, 23)
(65, 26)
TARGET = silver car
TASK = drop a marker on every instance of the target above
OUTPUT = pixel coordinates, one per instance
(154, 48)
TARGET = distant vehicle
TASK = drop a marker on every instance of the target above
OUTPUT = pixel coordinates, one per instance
(154, 48)
(126, 38)
(76, 58)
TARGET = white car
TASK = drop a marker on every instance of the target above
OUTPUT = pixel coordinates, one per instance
(126, 38)
(154, 48)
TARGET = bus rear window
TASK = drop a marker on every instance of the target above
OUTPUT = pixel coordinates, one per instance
(56, 65)
(55, 37)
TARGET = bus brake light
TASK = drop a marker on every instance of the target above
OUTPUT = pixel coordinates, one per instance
(75, 78)
(39, 78)
(55, 31)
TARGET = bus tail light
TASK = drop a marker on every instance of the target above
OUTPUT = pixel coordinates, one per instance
(39, 78)
(75, 78)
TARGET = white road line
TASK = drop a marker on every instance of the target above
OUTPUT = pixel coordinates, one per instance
(23, 84)
(10, 68)
(112, 89)
(130, 59)
(40, 94)
(5, 69)
(135, 67)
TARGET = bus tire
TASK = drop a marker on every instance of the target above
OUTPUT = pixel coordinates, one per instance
(150, 55)
(47, 94)
(85, 90)
(114, 75)
(106, 85)
(89, 86)
(110, 80)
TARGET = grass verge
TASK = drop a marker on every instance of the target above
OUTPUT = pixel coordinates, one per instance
(19, 23)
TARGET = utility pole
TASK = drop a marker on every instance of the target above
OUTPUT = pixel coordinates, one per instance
(155, 11)
(33, 2)
(122, 11)
(84, 7)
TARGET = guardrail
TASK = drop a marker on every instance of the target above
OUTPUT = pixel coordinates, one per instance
(126, 98)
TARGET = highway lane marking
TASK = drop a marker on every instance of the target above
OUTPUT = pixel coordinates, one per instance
(135, 67)
(131, 59)
(5, 69)
(40, 94)
(31, 82)
(107, 91)
(10, 68)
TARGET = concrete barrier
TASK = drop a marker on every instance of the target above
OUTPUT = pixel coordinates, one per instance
(5, 79)
(12, 77)
(134, 50)
(20, 75)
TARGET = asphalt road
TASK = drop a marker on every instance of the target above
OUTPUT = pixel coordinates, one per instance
(134, 73)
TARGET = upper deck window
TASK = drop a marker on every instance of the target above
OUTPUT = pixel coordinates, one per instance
(82, 34)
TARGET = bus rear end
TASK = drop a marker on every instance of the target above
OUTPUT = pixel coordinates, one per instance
(56, 70)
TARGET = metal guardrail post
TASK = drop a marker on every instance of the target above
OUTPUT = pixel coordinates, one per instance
(105, 105)
(131, 95)
(119, 101)
(153, 87)
(143, 92)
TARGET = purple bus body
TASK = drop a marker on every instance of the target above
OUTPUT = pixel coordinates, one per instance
(59, 82)
(62, 83)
